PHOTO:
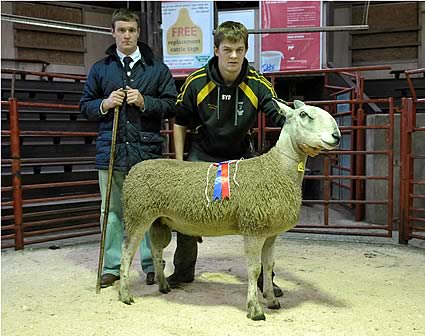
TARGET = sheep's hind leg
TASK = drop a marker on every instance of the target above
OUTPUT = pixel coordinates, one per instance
(160, 238)
(267, 259)
(129, 249)
(253, 247)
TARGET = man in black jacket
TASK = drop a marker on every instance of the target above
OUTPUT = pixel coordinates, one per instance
(142, 86)
(221, 102)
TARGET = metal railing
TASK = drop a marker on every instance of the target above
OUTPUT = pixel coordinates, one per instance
(27, 229)
(412, 158)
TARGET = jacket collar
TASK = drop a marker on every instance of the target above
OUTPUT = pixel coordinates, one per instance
(145, 51)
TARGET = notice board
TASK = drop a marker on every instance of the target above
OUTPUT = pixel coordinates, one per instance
(286, 51)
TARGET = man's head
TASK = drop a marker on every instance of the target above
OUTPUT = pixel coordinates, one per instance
(232, 32)
(125, 30)
(230, 46)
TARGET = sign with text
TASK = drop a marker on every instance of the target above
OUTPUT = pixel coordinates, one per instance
(187, 34)
(286, 51)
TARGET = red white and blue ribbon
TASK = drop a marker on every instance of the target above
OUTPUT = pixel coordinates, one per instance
(222, 181)
(221, 185)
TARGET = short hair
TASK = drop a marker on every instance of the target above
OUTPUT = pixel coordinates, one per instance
(231, 31)
(124, 14)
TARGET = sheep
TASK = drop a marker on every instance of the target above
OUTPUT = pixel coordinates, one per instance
(265, 200)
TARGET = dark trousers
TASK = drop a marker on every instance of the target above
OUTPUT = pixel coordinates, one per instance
(185, 256)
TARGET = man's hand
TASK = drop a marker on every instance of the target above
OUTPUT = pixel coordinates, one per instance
(135, 97)
(116, 98)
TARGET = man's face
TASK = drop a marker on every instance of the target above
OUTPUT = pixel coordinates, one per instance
(230, 56)
(126, 34)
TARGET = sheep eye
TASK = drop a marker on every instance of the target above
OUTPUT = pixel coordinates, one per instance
(304, 114)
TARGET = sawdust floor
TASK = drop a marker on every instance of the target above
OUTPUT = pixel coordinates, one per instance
(331, 288)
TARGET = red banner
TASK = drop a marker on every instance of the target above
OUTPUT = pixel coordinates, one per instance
(290, 50)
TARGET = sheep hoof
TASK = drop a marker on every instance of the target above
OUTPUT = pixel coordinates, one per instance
(255, 312)
(260, 317)
(164, 288)
(129, 302)
(275, 304)
(125, 296)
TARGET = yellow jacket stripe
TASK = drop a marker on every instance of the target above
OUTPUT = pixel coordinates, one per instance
(261, 78)
(186, 84)
(194, 73)
(270, 88)
(249, 93)
(205, 92)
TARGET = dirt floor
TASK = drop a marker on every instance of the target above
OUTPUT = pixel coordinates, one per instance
(330, 288)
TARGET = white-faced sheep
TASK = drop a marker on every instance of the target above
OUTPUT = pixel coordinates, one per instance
(265, 200)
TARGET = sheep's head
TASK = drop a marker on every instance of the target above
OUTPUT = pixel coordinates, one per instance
(311, 128)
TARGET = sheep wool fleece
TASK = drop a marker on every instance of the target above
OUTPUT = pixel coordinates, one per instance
(253, 208)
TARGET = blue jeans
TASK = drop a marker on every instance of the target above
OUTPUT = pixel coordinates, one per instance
(115, 228)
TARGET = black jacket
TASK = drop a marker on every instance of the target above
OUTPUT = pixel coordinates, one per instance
(223, 116)
(138, 136)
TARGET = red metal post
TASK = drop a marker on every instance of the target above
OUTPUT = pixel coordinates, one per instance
(390, 146)
(410, 123)
(403, 226)
(360, 160)
(16, 172)
(326, 190)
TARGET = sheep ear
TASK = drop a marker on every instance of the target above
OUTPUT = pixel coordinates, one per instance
(284, 109)
(298, 104)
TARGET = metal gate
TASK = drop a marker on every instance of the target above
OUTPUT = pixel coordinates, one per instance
(412, 172)
(356, 182)
(362, 170)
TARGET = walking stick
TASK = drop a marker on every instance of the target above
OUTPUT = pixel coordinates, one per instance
(107, 198)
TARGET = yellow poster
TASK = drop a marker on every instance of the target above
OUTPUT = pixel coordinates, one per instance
(184, 37)
(187, 33)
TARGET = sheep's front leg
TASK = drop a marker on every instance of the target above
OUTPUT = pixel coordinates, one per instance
(267, 260)
(253, 246)
(128, 251)
(160, 238)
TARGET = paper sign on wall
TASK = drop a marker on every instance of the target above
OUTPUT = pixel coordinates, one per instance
(290, 50)
(187, 34)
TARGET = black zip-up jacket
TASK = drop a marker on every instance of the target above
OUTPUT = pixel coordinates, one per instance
(138, 136)
(222, 115)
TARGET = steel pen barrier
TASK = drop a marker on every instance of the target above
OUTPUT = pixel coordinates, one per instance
(40, 228)
(412, 186)
(28, 230)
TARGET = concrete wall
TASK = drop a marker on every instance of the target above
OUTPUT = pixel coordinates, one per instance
(341, 40)
(7, 35)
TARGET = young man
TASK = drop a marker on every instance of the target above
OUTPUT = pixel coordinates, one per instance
(131, 78)
(221, 102)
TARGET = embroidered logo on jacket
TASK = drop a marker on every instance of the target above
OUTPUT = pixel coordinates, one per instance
(240, 110)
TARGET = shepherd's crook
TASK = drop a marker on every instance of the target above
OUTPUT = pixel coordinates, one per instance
(107, 198)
